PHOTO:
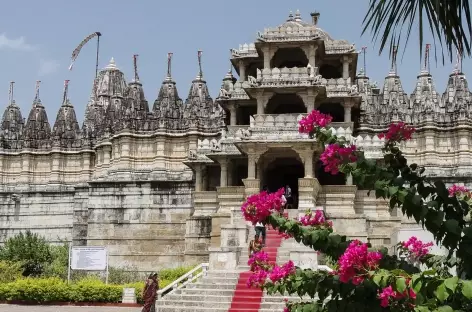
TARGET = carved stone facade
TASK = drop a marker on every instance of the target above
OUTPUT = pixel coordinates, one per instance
(163, 186)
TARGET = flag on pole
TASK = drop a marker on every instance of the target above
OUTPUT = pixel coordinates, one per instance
(76, 52)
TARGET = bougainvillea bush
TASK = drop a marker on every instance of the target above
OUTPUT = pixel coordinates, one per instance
(367, 279)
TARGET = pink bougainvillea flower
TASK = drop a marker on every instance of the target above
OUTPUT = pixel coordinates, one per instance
(336, 155)
(314, 120)
(315, 219)
(279, 273)
(259, 206)
(389, 297)
(257, 279)
(458, 190)
(356, 262)
(416, 248)
(398, 132)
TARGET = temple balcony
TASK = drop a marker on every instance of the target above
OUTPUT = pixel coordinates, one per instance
(286, 77)
(278, 126)
(245, 51)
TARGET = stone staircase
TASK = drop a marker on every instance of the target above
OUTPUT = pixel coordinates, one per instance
(226, 290)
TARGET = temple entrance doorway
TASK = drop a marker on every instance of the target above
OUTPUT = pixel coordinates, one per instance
(282, 170)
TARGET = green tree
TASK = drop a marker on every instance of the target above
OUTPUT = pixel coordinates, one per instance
(30, 249)
(449, 23)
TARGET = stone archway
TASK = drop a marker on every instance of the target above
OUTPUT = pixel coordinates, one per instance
(289, 103)
(281, 167)
(289, 57)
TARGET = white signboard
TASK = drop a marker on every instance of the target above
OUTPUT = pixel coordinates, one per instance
(89, 258)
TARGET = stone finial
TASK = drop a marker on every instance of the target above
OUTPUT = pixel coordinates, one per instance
(169, 66)
(135, 68)
(10, 93)
(298, 16)
(37, 100)
(112, 65)
(200, 71)
(290, 17)
(65, 93)
(393, 66)
(315, 16)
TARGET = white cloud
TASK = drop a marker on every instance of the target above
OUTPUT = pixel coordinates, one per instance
(47, 67)
(17, 44)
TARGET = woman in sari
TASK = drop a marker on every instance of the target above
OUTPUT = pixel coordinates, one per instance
(150, 293)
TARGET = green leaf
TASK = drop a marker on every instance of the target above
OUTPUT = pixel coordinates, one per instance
(441, 293)
(451, 283)
(392, 190)
(400, 284)
(452, 226)
(445, 308)
(467, 289)
(416, 283)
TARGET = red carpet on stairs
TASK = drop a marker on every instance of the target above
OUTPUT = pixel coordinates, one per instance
(249, 299)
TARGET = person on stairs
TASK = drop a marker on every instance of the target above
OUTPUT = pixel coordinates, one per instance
(288, 197)
(255, 245)
(150, 293)
(261, 232)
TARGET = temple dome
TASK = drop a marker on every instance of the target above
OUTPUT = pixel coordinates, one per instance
(66, 130)
(12, 126)
(37, 132)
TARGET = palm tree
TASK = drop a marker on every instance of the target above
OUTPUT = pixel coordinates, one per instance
(449, 22)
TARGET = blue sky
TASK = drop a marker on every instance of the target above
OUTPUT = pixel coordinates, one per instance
(37, 39)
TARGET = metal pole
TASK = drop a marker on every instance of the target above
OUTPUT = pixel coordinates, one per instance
(106, 273)
(68, 266)
(98, 51)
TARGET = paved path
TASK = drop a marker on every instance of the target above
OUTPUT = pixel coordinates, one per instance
(24, 308)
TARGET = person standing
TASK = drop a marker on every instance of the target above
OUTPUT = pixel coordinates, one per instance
(261, 232)
(255, 246)
(288, 197)
(150, 293)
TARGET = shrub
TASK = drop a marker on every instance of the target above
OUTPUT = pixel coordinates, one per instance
(173, 274)
(10, 271)
(29, 249)
(60, 259)
(124, 275)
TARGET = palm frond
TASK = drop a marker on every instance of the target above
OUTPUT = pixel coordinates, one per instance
(449, 23)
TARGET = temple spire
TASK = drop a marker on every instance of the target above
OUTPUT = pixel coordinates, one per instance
(135, 67)
(169, 66)
(66, 92)
(10, 93)
(36, 97)
(200, 72)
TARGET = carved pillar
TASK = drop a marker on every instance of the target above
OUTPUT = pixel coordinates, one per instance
(308, 159)
(232, 115)
(242, 71)
(349, 179)
(262, 100)
(230, 173)
(309, 98)
(198, 178)
(205, 178)
(268, 52)
(310, 53)
(224, 172)
(106, 155)
(347, 110)
(346, 60)
(251, 166)
(25, 168)
(55, 167)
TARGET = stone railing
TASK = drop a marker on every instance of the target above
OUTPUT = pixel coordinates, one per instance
(339, 47)
(289, 33)
(279, 77)
(190, 277)
(238, 91)
(371, 145)
(245, 50)
(340, 87)
(237, 131)
(209, 145)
